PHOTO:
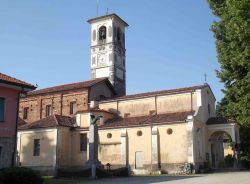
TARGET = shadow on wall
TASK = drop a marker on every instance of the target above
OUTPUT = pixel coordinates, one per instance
(38, 151)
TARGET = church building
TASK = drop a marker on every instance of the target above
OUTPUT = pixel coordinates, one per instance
(151, 132)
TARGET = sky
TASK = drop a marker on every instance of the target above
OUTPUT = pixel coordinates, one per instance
(169, 44)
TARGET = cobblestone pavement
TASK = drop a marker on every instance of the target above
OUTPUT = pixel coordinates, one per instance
(216, 178)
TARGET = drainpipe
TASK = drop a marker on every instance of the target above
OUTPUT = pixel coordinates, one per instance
(15, 141)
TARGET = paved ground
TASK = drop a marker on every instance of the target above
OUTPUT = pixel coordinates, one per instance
(218, 178)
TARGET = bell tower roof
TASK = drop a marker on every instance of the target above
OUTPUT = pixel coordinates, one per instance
(105, 17)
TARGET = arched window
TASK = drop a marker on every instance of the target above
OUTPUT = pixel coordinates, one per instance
(102, 33)
(118, 34)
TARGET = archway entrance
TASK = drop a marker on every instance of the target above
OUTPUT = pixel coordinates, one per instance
(223, 143)
(222, 150)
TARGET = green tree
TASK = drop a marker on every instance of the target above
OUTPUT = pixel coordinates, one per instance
(232, 35)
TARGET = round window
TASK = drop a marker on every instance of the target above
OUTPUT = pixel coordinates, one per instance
(139, 133)
(169, 131)
(109, 135)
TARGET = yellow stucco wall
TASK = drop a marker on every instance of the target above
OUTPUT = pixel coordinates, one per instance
(64, 146)
(78, 157)
(111, 106)
(137, 107)
(173, 147)
(161, 104)
(110, 148)
(176, 103)
(139, 143)
(47, 148)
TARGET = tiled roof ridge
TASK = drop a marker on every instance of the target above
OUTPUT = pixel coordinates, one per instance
(148, 119)
(168, 91)
(50, 121)
(56, 88)
(7, 78)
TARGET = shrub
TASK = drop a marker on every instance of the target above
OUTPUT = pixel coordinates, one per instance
(245, 161)
(20, 175)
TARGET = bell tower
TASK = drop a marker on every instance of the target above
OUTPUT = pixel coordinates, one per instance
(108, 53)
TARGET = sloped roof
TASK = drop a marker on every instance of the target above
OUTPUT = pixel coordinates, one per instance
(162, 92)
(51, 121)
(21, 122)
(13, 81)
(147, 120)
(218, 120)
(107, 16)
(66, 87)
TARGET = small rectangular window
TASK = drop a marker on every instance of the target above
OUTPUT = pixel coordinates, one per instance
(83, 142)
(48, 110)
(72, 108)
(36, 151)
(25, 112)
(2, 109)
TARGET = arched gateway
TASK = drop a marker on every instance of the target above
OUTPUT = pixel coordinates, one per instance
(223, 142)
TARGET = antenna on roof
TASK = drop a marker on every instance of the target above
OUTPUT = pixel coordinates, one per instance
(107, 12)
(97, 7)
(205, 77)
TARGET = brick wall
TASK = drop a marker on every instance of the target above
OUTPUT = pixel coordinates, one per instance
(60, 103)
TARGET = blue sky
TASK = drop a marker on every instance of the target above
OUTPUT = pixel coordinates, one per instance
(169, 45)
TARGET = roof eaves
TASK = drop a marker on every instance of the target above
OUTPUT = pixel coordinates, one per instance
(31, 87)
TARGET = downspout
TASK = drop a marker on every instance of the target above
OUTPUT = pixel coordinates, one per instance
(15, 138)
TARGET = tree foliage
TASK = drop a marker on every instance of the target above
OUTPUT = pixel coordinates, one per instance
(232, 35)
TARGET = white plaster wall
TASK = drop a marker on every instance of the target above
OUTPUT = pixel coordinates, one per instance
(205, 97)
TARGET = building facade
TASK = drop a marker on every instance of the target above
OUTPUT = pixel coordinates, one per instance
(10, 90)
(157, 131)
(108, 53)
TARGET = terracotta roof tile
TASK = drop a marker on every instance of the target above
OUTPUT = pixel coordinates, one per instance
(147, 120)
(65, 87)
(51, 121)
(162, 92)
(13, 81)
(21, 122)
